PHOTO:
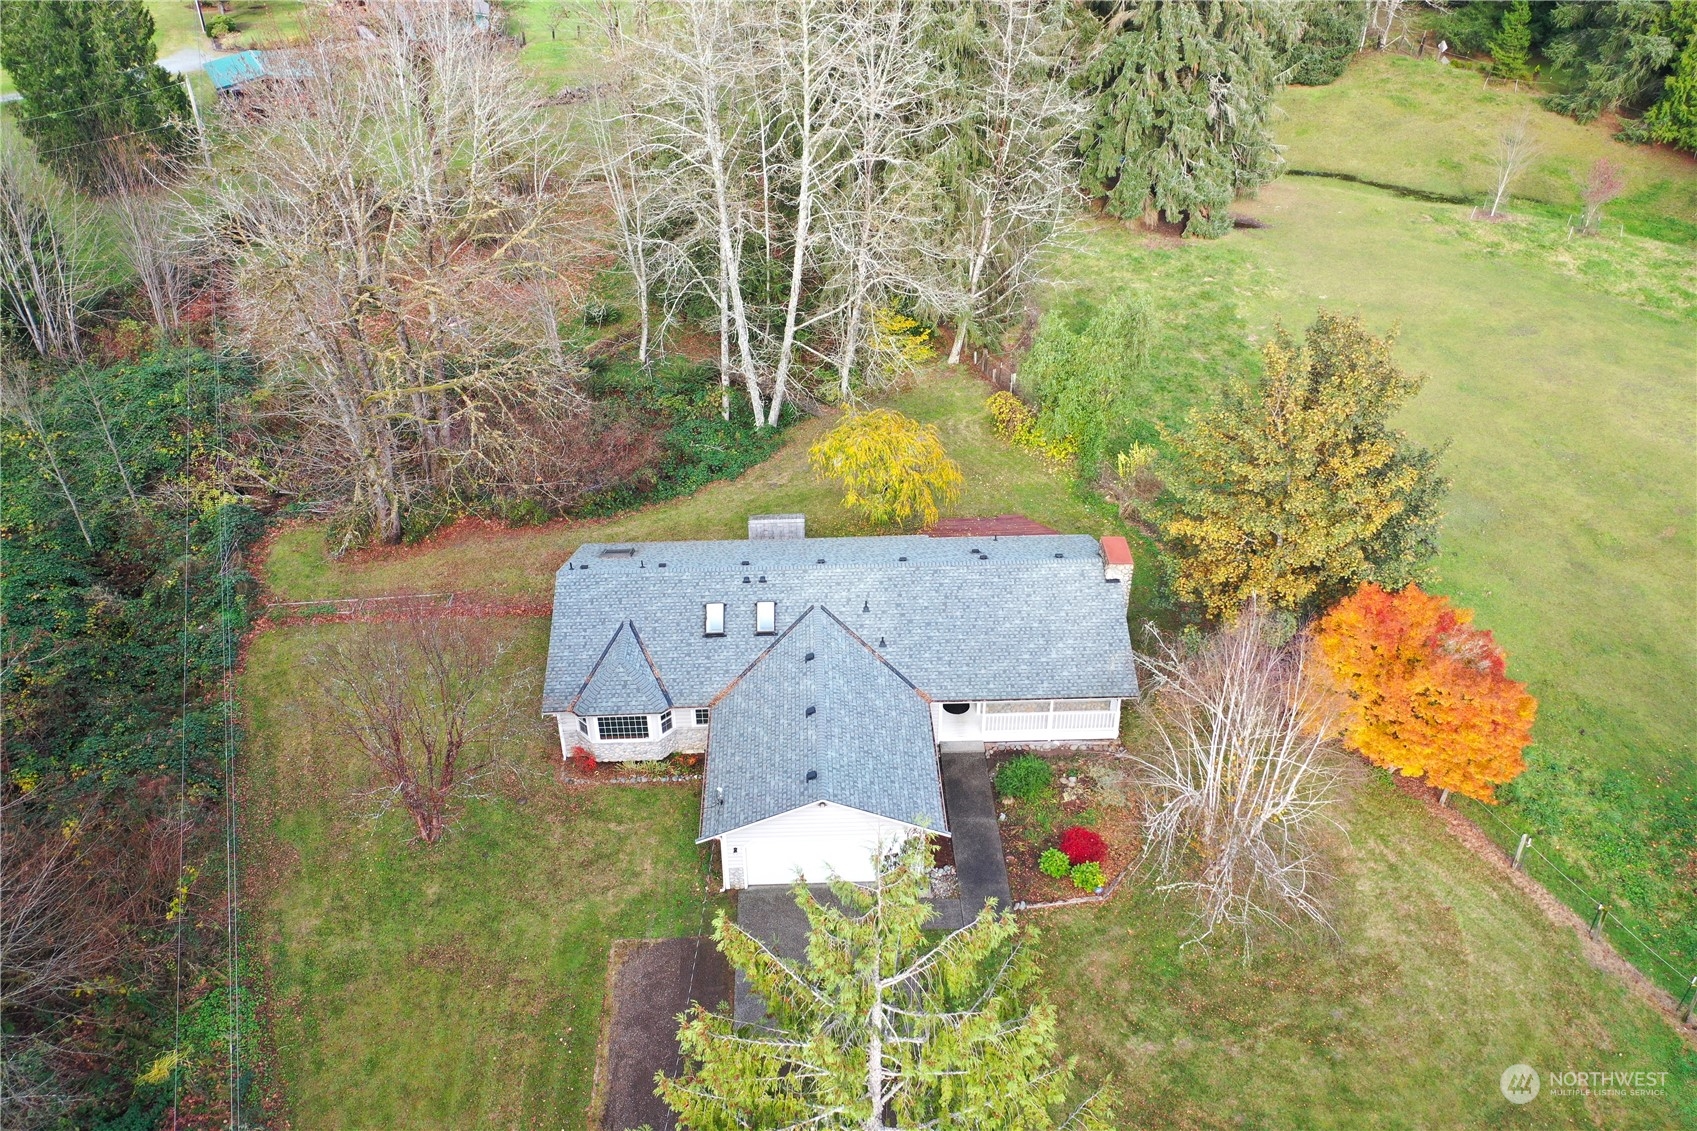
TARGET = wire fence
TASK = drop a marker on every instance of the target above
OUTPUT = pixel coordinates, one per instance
(1636, 941)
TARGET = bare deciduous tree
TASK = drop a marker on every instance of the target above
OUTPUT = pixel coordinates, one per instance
(386, 226)
(145, 216)
(1603, 185)
(421, 699)
(17, 400)
(1515, 152)
(1009, 169)
(1240, 770)
(45, 273)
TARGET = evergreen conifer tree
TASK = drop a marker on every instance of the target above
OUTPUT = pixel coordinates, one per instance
(1673, 119)
(1183, 95)
(1513, 40)
(89, 81)
(878, 1028)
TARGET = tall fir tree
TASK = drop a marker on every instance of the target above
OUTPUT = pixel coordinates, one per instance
(878, 1028)
(1673, 119)
(1296, 490)
(1617, 55)
(1509, 47)
(90, 82)
(1183, 97)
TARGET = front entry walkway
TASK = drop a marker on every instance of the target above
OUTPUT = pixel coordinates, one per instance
(979, 863)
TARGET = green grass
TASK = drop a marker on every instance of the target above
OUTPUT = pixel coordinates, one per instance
(521, 563)
(1410, 122)
(453, 986)
(1441, 976)
(1571, 525)
(573, 53)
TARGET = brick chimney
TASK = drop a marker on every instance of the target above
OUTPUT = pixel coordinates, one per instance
(1116, 563)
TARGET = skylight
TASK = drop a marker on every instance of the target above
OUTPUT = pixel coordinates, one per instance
(765, 618)
(713, 619)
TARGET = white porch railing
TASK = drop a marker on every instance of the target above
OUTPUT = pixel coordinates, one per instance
(1035, 718)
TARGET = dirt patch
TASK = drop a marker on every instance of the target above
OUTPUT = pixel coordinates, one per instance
(1597, 951)
(650, 982)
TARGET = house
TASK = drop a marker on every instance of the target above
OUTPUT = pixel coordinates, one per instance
(821, 676)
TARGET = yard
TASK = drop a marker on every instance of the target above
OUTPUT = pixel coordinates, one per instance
(453, 986)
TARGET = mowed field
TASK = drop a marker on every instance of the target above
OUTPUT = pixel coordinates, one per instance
(1562, 376)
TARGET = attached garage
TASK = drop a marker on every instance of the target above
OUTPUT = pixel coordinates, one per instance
(820, 840)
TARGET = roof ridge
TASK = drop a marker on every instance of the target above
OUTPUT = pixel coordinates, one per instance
(877, 655)
(761, 658)
(653, 669)
(599, 660)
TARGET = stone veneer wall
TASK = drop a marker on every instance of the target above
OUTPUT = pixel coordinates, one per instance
(680, 739)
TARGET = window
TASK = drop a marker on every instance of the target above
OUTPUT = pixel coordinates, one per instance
(582, 725)
(1084, 705)
(622, 726)
(665, 721)
(713, 619)
(765, 618)
(701, 715)
(1018, 707)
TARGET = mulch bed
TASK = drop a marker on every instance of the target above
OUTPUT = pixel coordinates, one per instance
(1098, 796)
(652, 981)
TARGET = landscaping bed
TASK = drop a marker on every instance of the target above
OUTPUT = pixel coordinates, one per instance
(1088, 790)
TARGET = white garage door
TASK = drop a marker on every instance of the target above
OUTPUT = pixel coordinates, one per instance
(819, 840)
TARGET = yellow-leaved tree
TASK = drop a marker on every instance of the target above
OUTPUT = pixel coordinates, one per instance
(892, 467)
(1294, 491)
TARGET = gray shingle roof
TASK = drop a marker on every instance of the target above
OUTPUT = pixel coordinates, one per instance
(868, 736)
(962, 618)
(623, 679)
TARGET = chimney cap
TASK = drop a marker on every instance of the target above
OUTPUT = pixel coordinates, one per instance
(776, 527)
(1115, 550)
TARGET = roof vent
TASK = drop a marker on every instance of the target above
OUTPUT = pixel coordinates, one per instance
(866, 606)
(808, 658)
(1060, 555)
(813, 775)
(902, 559)
(618, 552)
(811, 711)
(776, 527)
(818, 561)
(881, 643)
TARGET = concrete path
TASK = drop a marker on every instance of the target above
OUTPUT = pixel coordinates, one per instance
(979, 862)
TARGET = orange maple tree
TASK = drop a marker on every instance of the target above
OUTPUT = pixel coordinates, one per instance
(1430, 694)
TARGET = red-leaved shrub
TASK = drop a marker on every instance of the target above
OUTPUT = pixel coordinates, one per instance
(1084, 845)
(583, 761)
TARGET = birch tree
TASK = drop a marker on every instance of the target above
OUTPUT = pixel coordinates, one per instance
(1006, 159)
(384, 228)
(1238, 775)
(45, 273)
(878, 1029)
(1515, 152)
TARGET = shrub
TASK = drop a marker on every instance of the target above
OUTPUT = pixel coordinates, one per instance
(582, 760)
(599, 312)
(1026, 778)
(893, 467)
(220, 25)
(1088, 876)
(1054, 863)
(1084, 846)
(1014, 421)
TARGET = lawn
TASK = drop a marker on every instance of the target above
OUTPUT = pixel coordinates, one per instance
(1403, 121)
(1441, 976)
(453, 986)
(1572, 522)
(521, 563)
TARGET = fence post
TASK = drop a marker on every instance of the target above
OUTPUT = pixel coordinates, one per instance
(1690, 1000)
(1597, 921)
(1444, 798)
(1520, 849)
